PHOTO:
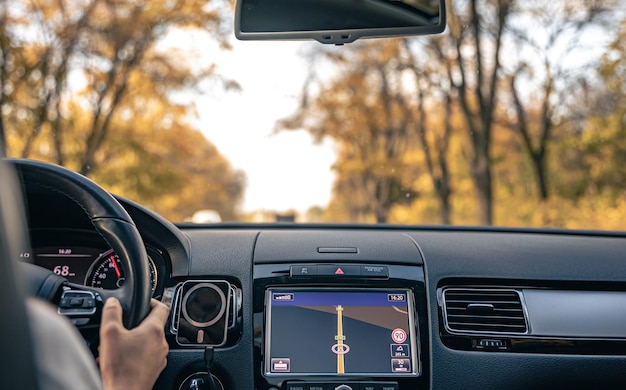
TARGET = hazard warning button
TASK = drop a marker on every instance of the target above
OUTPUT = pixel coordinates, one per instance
(339, 270)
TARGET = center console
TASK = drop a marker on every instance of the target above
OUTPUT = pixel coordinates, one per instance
(340, 326)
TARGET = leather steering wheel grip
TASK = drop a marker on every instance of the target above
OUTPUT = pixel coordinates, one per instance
(109, 219)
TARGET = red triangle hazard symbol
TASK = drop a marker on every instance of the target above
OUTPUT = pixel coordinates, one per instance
(339, 271)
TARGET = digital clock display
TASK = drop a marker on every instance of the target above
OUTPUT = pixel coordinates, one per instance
(396, 297)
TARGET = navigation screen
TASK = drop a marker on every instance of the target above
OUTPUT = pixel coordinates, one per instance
(337, 332)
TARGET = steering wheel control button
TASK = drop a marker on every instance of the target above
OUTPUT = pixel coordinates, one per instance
(303, 271)
(374, 271)
(75, 303)
(79, 321)
(204, 311)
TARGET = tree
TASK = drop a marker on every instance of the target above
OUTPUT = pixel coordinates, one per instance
(436, 155)
(103, 43)
(603, 138)
(543, 65)
(364, 111)
(429, 83)
(4, 71)
(500, 67)
(99, 87)
(471, 55)
(163, 159)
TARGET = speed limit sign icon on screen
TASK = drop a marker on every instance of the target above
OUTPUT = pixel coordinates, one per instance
(398, 335)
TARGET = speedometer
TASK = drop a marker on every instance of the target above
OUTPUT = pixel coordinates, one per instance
(107, 273)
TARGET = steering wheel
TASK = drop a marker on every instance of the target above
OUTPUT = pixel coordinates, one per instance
(82, 304)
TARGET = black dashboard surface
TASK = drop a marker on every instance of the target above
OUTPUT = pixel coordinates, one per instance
(424, 260)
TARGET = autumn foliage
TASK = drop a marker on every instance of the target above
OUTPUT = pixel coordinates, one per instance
(102, 88)
(510, 118)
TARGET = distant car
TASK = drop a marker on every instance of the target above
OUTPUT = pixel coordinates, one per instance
(206, 216)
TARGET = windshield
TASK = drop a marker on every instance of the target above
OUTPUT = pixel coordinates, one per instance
(514, 116)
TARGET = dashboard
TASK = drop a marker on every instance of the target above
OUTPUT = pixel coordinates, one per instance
(321, 307)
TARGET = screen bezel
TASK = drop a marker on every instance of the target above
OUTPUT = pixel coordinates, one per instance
(413, 332)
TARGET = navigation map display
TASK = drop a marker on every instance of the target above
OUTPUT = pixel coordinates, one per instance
(340, 332)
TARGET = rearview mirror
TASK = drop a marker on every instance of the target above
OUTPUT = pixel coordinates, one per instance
(337, 21)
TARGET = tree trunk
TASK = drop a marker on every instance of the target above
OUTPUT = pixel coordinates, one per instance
(3, 138)
(485, 197)
(475, 79)
(537, 154)
(481, 173)
(444, 204)
(539, 165)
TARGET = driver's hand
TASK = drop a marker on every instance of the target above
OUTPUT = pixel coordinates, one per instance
(132, 359)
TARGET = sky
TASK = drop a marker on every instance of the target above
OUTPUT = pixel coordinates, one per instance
(285, 171)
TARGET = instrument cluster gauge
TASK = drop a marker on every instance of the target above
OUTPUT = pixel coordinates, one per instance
(106, 272)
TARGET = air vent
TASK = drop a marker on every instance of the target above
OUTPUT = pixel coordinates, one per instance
(488, 310)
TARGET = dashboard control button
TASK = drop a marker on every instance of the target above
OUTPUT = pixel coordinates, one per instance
(374, 271)
(338, 270)
(370, 386)
(303, 271)
(316, 386)
(345, 387)
(389, 386)
(295, 386)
